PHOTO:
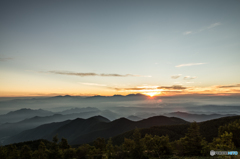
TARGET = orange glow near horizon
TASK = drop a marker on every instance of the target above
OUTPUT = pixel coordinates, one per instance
(151, 94)
(150, 91)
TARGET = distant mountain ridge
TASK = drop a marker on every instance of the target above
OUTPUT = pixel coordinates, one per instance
(78, 110)
(21, 114)
(196, 117)
(134, 118)
(9, 129)
(60, 103)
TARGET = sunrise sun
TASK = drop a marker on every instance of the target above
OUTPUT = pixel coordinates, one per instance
(151, 94)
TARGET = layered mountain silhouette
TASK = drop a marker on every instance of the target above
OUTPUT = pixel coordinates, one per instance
(9, 129)
(21, 114)
(81, 131)
(134, 118)
(78, 110)
(196, 117)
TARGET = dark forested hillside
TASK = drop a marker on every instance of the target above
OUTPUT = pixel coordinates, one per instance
(191, 144)
(208, 129)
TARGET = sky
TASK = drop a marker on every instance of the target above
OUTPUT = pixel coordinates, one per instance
(94, 47)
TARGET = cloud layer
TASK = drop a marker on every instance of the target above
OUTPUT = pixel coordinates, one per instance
(189, 77)
(153, 88)
(93, 74)
(203, 29)
(93, 84)
(175, 76)
(229, 86)
(178, 87)
(189, 64)
(5, 59)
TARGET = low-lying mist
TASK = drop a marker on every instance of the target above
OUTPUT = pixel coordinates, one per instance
(130, 104)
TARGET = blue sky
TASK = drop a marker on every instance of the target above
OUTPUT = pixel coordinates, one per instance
(46, 47)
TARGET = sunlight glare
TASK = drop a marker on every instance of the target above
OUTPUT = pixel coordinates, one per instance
(151, 94)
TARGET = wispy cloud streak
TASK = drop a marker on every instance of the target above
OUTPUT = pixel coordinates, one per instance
(178, 87)
(93, 74)
(189, 77)
(93, 84)
(213, 25)
(229, 86)
(203, 29)
(5, 59)
(187, 32)
(189, 64)
(175, 76)
(153, 88)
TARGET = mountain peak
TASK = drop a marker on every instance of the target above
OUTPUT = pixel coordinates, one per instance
(100, 118)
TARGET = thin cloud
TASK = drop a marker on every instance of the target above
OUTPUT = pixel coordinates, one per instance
(93, 84)
(5, 59)
(189, 77)
(229, 86)
(131, 89)
(93, 74)
(213, 25)
(187, 32)
(189, 82)
(178, 87)
(153, 88)
(176, 76)
(189, 64)
(203, 29)
(140, 88)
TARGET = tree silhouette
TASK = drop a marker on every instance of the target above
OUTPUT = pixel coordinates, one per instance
(25, 152)
(3, 152)
(55, 152)
(64, 144)
(223, 143)
(99, 143)
(42, 152)
(137, 151)
(12, 152)
(69, 153)
(110, 149)
(234, 128)
(191, 144)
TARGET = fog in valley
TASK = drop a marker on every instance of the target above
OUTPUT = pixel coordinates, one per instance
(128, 105)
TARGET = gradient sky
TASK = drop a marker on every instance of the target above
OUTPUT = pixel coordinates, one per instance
(119, 47)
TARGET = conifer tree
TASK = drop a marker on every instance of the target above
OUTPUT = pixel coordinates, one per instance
(109, 149)
(99, 143)
(191, 144)
(3, 153)
(69, 153)
(82, 151)
(64, 144)
(137, 151)
(12, 152)
(223, 143)
(55, 151)
(128, 145)
(193, 140)
(25, 152)
(234, 128)
(42, 152)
